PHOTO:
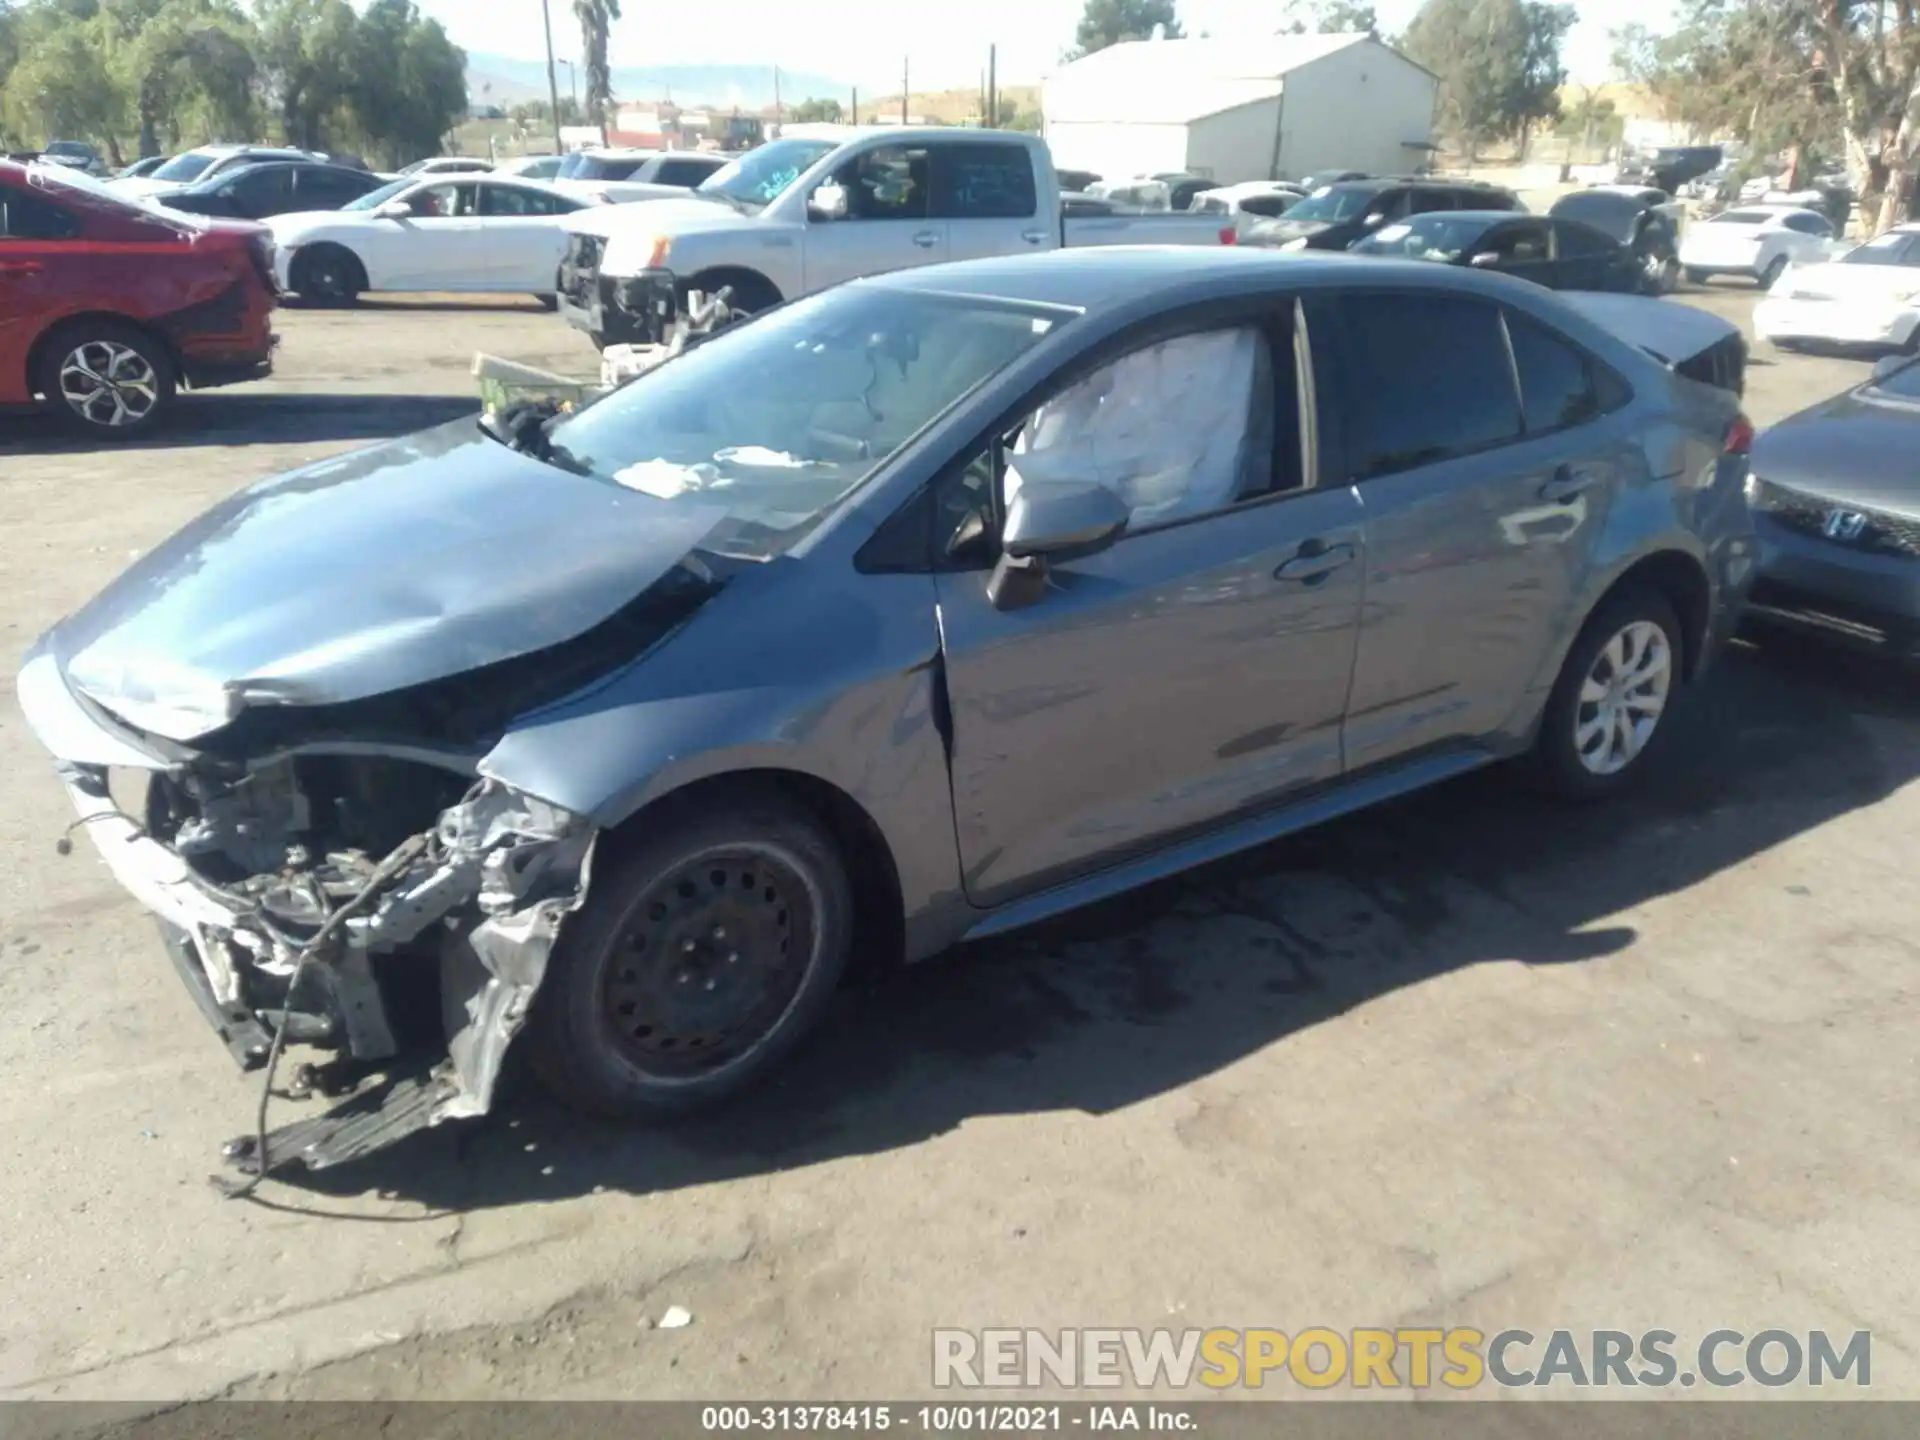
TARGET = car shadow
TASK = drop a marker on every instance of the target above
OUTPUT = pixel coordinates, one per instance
(244, 418)
(1147, 993)
(403, 304)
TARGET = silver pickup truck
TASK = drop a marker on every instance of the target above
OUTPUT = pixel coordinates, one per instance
(799, 215)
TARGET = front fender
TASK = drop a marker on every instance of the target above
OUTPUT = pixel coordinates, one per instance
(836, 681)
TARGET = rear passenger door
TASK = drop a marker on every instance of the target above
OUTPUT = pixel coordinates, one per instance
(39, 243)
(1482, 450)
(525, 243)
(986, 194)
(260, 191)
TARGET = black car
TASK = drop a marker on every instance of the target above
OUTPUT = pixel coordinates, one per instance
(1182, 187)
(140, 169)
(1836, 507)
(1559, 254)
(1078, 180)
(278, 187)
(1334, 216)
(1632, 218)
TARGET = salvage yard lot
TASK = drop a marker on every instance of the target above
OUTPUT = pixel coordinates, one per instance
(1468, 1060)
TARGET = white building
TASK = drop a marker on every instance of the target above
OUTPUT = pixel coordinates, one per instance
(1277, 107)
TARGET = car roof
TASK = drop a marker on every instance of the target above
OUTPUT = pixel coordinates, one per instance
(1111, 277)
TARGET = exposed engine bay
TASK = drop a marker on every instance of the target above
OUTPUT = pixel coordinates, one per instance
(394, 913)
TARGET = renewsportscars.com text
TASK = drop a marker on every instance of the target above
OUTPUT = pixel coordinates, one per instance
(1459, 1358)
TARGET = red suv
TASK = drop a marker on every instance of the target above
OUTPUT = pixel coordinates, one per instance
(108, 308)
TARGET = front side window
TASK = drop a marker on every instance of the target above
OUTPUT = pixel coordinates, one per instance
(1268, 206)
(262, 191)
(776, 421)
(1575, 240)
(1444, 238)
(1334, 203)
(1903, 384)
(445, 202)
(983, 182)
(684, 172)
(1425, 202)
(886, 184)
(1808, 225)
(1429, 378)
(1178, 428)
(1892, 248)
(1523, 244)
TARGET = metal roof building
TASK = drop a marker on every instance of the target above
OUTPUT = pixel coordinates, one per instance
(1278, 107)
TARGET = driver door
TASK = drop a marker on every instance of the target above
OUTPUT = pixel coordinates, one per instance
(441, 245)
(888, 223)
(1195, 671)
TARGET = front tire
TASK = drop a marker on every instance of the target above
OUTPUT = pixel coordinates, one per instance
(704, 953)
(1611, 707)
(106, 380)
(330, 276)
(1770, 276)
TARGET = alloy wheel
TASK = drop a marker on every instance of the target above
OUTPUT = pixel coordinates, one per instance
(708, 962)
(109, 384)
(1622, 698)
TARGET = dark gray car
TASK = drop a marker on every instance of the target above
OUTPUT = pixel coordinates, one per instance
(1836, 499)
(922, 608)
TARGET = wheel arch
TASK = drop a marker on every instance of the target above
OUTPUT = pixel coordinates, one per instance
(879, 939)
(713, 277)
(324, 242)
(1681, 580)
(37, 352)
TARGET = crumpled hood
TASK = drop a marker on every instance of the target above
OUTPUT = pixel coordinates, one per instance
(1671, 333)
(390, 567)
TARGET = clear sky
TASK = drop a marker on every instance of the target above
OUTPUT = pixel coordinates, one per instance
(862, 41)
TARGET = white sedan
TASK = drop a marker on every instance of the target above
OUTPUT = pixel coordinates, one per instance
(1868, 296)
(1755, 241)
(615, 177)
(475, 233)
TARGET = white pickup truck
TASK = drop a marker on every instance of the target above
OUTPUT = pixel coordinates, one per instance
(800, 214)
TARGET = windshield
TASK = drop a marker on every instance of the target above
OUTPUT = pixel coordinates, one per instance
(374, 199)
(1881, 250)
(1425, 237)
(1332, 202)
(1742, 217)
(762, 176)
(781, 418)
(185, 167)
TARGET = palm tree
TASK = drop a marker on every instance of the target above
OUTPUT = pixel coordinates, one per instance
(596, 19)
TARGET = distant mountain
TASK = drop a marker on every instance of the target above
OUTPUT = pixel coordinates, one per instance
(515, 81)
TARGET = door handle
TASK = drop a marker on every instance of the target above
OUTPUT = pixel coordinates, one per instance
(1567, 484)
(1034, 237)
(1315, 563)
(927, 239)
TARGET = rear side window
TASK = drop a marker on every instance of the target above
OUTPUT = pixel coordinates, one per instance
(1429, 377)
(27, 216)
(1269, 206)
(684, 172)
(1808, 225)
(1575, 239)
(1557, 388)
(983, 182)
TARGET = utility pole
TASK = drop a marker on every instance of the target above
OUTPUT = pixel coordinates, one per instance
(553, 77)
(856, 105)
(904, 62)
(993, 87)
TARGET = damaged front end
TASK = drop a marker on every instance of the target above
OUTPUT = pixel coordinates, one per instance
(390, 912)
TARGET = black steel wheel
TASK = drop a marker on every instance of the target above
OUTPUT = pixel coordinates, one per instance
(327, 274)
(701, 957)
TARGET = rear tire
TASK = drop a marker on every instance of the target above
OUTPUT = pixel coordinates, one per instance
(704, 953)
(106, 380)
(329, 276)
(1611, 708)
(1770, 276)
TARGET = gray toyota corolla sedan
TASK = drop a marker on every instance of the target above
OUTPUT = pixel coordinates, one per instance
(907, 613)
(1836, 498)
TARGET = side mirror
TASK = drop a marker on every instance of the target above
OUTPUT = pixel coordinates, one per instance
(1050, 521)
(829, 202)
(1484, 259)
(394, 210)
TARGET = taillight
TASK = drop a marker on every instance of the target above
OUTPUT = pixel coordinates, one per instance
(260, 251)
(1229, 235)
(1739, 436)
